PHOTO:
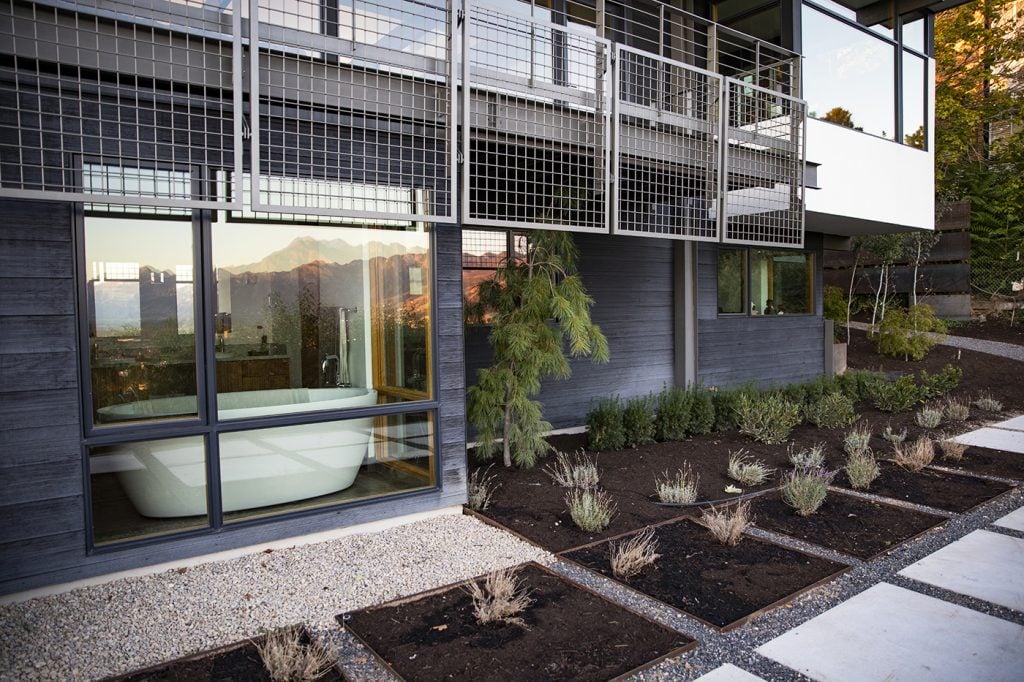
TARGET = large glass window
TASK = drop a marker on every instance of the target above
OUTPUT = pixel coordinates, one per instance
(849, 75)
(765, 282)
(913, 100)
(141, 311)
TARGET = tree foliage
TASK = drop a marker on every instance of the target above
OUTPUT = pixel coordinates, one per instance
(540, 309)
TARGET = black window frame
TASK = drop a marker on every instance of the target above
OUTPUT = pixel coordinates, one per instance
(747, 262)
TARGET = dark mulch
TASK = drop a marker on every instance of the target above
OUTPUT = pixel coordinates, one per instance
(992, 329)
(238, 662)
(987, 461)
(851, 525)
(570, 634)
(721, 585)
(950, 492)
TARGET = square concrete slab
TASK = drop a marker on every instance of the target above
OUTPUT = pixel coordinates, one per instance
(890, 633)
(1015, 424)
(981, 564)
(1014, 520)
(729, 673)
(996, 439)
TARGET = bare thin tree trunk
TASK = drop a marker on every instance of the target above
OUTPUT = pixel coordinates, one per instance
(913, 288)
(506, 447)
(878, 293)
(849, 298)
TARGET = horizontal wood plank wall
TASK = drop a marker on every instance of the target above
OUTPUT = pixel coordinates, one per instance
(630, 280)
(42, 527)
(769, 350)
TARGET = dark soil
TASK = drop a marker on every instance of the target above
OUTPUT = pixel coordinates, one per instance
(986, 461)
(992, 329)
(569, 634)
(239, 662)
(719, 584)
(950, 492)
(847, 524)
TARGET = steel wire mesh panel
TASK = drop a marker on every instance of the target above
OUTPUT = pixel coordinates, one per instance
(354, 108)
(116, 100)
(667, 153)
(535, 131)
(764, 202)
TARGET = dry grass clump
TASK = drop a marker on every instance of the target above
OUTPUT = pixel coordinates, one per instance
(288, 659)
(500, 599)
(630, 558)
(727, 522)
(895, 437)
(858, 439)
(807, 458)
(986, 403)
(928, 417)
(861, 470)
(952, 449)
(746, 469)
(481, 488)
(956, 410)
(915, 456)
(590, 509)
(573, 471)
(805, 489)
(681, 489)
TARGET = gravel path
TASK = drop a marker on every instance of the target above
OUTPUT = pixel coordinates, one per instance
(135, 622)
(1005, 350)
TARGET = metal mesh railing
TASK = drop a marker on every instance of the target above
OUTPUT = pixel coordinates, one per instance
(764, 163)
(111, 100)
(667, 155)
(357, 99)
(535, 134)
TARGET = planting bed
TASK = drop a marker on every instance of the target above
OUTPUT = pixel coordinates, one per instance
(987, 461)
(238, 662)
(950, 492)
(571, 633)
(847, 524)
(720, 585)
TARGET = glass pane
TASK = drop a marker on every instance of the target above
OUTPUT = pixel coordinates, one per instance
(289, 468)
(913, 100)
(141, 309)
(732, 272)
(319, 317)
(849, 76)
(913, 35)
(147, 488)
(780, 283)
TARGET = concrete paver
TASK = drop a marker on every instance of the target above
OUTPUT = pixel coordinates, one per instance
(729, 673)
(891, 633)
(1014, 520)
(1015, 424)
(996, 439)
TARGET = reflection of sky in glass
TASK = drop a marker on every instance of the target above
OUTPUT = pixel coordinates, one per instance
(913, 93)
(847, 68)
(913, 34)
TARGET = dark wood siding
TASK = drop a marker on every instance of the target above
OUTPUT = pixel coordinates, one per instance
(42, 514)
(630, 280)
(770, 350)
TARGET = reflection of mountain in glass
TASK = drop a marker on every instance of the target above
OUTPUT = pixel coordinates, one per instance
(303, 250)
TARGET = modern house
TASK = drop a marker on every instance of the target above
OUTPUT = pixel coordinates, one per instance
(235, 234)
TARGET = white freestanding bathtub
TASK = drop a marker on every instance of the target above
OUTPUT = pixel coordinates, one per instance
(167, 478)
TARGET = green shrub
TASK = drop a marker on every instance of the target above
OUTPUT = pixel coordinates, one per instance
(673, 419)
(795, 393)
(573, 471)
(638, 421)
(591, 510)
(861, 470)
(725, 403)
(856, 384)
(831, 411)
(605, 427)
(768, 418)
(956, 410)
(702, 411)
(910, 333)
(858, 440)
(938, 385)
(819, 388)
(807, 458)
(928, 417)
(896, 396)
(805, 489)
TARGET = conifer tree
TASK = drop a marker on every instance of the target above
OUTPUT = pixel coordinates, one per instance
(538, 309)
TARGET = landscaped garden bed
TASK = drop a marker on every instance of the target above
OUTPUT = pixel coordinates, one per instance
(950, 492)
(566, 633)
(722, 585)
(851, 525)
(292, 654)
(987, 461)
